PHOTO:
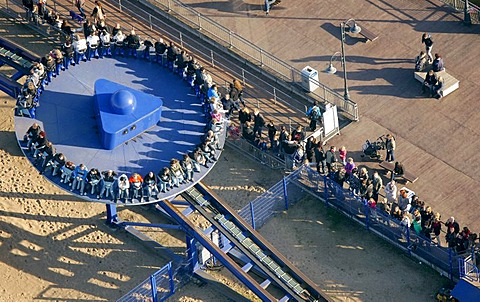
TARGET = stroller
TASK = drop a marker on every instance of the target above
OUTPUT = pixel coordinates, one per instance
(371, 149)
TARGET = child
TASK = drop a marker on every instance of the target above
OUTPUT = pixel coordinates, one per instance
(342, 153)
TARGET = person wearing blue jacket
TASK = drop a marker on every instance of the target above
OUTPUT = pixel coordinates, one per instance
(79, 179)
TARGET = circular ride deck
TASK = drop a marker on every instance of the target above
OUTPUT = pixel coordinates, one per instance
(66, 114)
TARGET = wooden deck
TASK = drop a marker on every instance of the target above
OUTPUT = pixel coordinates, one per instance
(438, 141)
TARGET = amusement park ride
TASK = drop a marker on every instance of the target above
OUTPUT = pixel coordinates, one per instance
(122, 114)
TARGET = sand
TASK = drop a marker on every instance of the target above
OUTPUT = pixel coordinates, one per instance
(58, 248)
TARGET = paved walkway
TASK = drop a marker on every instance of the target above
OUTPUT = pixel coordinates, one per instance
(437, 140)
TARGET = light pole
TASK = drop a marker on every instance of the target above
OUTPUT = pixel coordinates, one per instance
(355, 29)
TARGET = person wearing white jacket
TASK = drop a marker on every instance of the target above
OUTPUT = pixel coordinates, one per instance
(123, 186)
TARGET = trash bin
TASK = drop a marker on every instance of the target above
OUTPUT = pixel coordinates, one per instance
(309, 79)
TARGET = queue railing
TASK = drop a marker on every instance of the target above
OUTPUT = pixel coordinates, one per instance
(256, 55)
(459, 5)
(443, 259)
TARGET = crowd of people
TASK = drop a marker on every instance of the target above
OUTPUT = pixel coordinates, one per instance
(425, 62)
(98, 41)
(410, 210)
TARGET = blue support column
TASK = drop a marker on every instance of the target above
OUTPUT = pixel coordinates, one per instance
(252, 211)
(153, 283)
(285, 194)
(192, 254)
(112, 217)
(170, 278)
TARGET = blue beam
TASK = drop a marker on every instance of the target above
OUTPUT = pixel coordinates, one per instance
(152, 225)
(17, 75)
(112, 217)
(212, 248)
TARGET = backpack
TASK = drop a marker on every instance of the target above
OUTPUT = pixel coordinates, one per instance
(315, 113)
(309, 111)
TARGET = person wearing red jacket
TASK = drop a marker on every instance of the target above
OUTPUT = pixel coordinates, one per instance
(136, 185)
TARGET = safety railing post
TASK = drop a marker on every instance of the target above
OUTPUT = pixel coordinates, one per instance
(181, 39)
(325, 191)
(153, 284)
(261, 57)
(199, 18)
(212, 59)
(150, 21)
(169, 9)
(230, 44)
(285, 194)
(408, 240)
(274, 96)
(171, 281)
(450, 263)
(252, 212)
(367, 214)
(120, 5)
(243, 77)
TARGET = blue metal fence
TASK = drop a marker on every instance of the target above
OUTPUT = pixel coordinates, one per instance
(159, 286)
(306, 180)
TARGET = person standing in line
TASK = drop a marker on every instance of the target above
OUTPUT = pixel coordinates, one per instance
(98, 14)
(390, 145)
(342, 153)
(320, 158)
(239, 87)
(427, 40)
(80, 4)
(377, 185)
(331, 159)
(390, 195)
(258, 122)
(272, 132)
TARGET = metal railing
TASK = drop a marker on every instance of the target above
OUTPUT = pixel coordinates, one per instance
(468, 268)
(158, 287)
(306, 181)
(221, 67)
(459, 5)
(259, 57)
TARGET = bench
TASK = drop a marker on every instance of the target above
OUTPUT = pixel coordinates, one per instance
(370, 36)
(450, 83)
(408, 176)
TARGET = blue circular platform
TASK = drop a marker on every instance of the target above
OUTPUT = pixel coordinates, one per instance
(66, 113)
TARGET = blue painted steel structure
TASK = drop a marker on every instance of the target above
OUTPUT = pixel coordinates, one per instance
(18, 58)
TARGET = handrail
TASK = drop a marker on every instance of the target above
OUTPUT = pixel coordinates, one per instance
(203, 53)
(253, 53)
(459, 5)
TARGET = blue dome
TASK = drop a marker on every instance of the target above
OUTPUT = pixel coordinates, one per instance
(123, 102)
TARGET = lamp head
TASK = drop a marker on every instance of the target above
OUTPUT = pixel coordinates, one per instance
(355, 29)
(331, 69)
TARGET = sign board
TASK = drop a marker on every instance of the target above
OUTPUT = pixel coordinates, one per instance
(330, 120)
